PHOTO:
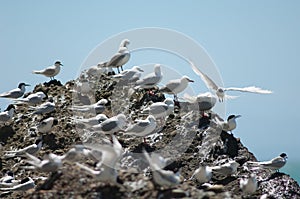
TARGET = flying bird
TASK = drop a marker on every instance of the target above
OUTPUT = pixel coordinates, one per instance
(15, 93)
(50, 71)
(220, 92)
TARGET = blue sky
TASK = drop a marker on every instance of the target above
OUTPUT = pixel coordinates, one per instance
(251, 43)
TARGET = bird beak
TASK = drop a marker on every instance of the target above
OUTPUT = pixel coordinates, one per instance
(140, 70)
(27, 84)
(191, 80)
(237, 116)
(61, 64)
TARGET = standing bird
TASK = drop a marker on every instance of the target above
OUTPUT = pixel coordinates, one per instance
(111, 125)
(203, 174)
(176, 86)
(129, 75)
(97, 107)
(31, 149)
(46, 107)
(230, 124)
(224, 170)
(160, 109)
(15, 93)
(275, 164)
(249, 186)
(92, 121)
(220, 92)
(8, 114)
(50, 71)
(32, 99)
(150, 80)
(46, 125)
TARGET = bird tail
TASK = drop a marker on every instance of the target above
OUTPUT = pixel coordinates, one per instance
(37, 72)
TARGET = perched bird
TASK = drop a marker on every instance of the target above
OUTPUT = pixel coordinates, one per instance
(206, 101)
(176, 86)
(275, 164)
(160, 176)
(160, 109)
(249, 186)
(32, 99)
(7, 114)
(150, 80)
(97, 107)
(222, 171)
(50, 71)
(111, 125)
(46, 125)
(129, 75)
(121, 57)
(46, 107)
(220, 92)
(230, 124)
(142, 128)
(51, 163)
(25, 184)
(7, 178)
(31, 149)
(203, 174)
(15, 93)
(89, 122)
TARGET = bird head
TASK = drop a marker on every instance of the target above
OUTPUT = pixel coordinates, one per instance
(58, 63)
(233, 117)
(186, 78)
(124, 43)
(22, 84)
(284, 155)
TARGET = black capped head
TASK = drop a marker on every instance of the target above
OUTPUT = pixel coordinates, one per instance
(58, 62)
(10, 173)
(10, 107)
(233, 117)
(38, 140)
(283, 155)
(27, 179)
(22, 84)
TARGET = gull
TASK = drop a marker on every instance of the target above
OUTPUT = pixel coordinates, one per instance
(150, 80)
(160, 176)
(130, 75)
(51, 163)
(206, 101)
(75, 153)
(224, 170)
(7, 114)
(111, 125)
(25, 184)
(50, 71)
(107, 166)
(97, 107)
(31, 149)
(15, 93)
(98, 119)
(274, 164)
(46, 125)
(176, 86)
(203, 174)
(120, 58)
(160, 109)
(83, 87)
(32, 99)
(220, 92)
(249, 185)
(142, 128)
(46, 107)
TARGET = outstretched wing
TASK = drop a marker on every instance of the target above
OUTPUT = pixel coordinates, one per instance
(250, 89)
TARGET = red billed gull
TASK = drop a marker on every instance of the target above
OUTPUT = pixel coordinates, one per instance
(220, 92)
(15, 93)
(176, 86)
(129, 75)
(92, 121)
(150, 80)
(50, 71)
(160, 109)
(206, 101)
(97, 107)
(111, 125)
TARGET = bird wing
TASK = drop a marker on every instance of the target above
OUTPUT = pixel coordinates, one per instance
(208, 82)
(137, 127)
(34, 160)
(170, 86)
(4, 116)
(189, 98)
(117, 59)
(15, 93)
(250, 89)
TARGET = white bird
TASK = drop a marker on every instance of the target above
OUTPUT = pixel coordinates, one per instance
(31, 149)
(107, 166)
(274, 164)
(46, 107)
(7, 178)
(78, 151)
(121, 57)
(7, 114)
(222, 171)
(160, 109)
(230, 124)
(129, 75)
(89, 122)
(176, 86)
(206, 101)
(249, 185)
(46, 125)
(160, 176)
(50, 71)
(142, 128)
(220, 92)
(96, 70)
(50, 163)
(203, 174)
(97, 107)
(32, 99)
(15, 93)
(25, 184)
(83, 87)
(111, 125)
(150, 80)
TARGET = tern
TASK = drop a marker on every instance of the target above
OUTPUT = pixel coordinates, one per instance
(25, 184)
(46, 107)
(224, 170)
(15, 93)
(32, 99)
(220, 92)
(46, 125)
(275, 164)
(176, 86)
(97, 107)
(150, 80)
(31, 149)
(50, 71)
(203, 174)
(7, 114)
(249, 185)
(230, 124)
